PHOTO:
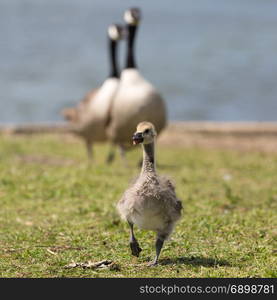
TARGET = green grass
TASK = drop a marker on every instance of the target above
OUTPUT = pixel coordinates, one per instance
(57, 209)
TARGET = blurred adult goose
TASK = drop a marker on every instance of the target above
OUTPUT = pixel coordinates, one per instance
(151, 202)
(88, 119)
(136, 99)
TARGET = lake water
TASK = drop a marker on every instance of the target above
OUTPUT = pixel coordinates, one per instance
(211, 59)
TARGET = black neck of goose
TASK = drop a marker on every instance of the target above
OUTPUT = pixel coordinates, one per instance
(130, 63)
(148, 164)
(113, 59)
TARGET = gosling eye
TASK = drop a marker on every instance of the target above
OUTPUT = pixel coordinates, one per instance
(146, 131)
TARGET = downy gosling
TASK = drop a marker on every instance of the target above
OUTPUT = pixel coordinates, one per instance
(151, 202)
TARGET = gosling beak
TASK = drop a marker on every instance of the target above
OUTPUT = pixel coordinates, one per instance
(137, 138)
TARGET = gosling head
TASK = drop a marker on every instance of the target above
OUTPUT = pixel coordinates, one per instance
(116, 32)
(145, 133)
(132, 16)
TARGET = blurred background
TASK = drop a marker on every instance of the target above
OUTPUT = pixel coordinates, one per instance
(212, 59)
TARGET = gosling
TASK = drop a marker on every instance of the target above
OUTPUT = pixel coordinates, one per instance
(151, 202)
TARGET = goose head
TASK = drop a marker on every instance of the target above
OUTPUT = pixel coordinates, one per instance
(145, 133)
(132, 16)
(116, 32)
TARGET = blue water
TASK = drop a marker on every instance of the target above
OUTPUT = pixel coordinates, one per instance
(211, 59)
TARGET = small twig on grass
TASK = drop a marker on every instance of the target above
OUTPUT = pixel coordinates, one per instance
(94, 265)
(51, 252)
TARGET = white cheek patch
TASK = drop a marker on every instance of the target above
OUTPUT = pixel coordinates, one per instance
(128, 18)
(113, 33)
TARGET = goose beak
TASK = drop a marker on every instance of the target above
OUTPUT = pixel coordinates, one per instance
(137, 138)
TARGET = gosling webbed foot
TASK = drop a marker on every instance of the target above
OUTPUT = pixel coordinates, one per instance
(135, 248)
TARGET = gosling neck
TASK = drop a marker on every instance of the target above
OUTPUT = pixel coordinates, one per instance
(148, 164)
(113, 59)
(130, 63)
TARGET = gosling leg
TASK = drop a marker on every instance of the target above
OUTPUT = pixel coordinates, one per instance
(134, 245)
(159, 245)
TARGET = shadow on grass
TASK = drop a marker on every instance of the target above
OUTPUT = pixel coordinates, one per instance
(195, 261)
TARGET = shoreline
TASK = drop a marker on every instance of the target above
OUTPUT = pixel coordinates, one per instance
(243, 136)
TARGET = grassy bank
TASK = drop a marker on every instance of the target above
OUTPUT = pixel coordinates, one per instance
(56, 209)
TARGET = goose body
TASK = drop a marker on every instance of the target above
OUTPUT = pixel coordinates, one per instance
(89, 118)
(137, 99)
(74, 114)
(150, 202)
(95, 112)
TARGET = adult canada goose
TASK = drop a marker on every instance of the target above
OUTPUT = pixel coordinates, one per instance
(136, 99)
(88, 119)
(151, 202)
